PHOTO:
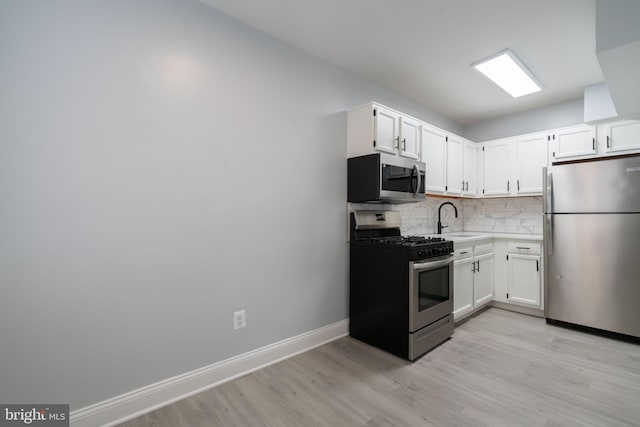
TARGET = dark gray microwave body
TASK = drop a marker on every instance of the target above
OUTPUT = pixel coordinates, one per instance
(383, 178)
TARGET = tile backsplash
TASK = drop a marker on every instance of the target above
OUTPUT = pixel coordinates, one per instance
(500, 215)
(504, 215)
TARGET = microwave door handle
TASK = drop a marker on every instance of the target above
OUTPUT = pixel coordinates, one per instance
(418, 179)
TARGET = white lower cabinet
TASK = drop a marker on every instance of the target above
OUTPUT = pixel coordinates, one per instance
(518, 272)
(524, 279)
(463, 286)
(483, 279)
(472, 277)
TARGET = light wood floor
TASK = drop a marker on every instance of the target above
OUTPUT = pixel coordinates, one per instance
(499, 369)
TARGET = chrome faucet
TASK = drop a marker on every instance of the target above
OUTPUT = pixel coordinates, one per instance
(439, 212)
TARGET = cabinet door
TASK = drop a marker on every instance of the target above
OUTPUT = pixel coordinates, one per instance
(409, 138)
(454, 166)
(531, 157)
(496, 169)
(385, 130)
(483, 280)
(623, 136)
(500, 270)
(462, 287)
(524, 279)
(469, 168)
(434, 154)
(576, 141)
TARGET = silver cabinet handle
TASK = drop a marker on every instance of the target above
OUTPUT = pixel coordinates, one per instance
(523, 247)
(518, 182)
(404, 144)
(478, 269)
(473, 267)
(608, 142)
(464, 252)
(508, 186)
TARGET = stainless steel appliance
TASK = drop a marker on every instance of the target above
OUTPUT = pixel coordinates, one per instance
(592, 244)
(401, 288)
(384, 178)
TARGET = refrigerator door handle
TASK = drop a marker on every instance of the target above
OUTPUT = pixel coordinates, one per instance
(547, 178)
(548, 226)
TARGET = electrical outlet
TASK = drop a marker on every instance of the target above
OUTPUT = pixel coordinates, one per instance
(239, 319)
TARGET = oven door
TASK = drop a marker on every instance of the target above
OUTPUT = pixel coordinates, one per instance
(430, 291)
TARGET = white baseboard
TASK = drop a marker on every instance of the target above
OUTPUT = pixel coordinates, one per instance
(138, 402)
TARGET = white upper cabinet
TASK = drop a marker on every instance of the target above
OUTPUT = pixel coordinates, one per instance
(495, 160)
(409, 143)
(505, 167)
(574, 142)
(451, 162)
(375, 128)
(470, 168)
(513, 166)
(455, 164)
(530, 158)
(434, 154)
(622, 136)
(385, 130)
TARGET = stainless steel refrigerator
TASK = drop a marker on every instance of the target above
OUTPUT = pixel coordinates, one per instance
(592, 244)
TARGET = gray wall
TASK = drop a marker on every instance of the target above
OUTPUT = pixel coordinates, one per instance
(598, 104)
(616, 23)
(161, 166)
(555, 116)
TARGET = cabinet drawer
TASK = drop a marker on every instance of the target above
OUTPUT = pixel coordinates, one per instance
(483, 248)
(531, 248)
(463, 252)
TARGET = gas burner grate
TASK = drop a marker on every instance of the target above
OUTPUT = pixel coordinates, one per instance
(406, 240)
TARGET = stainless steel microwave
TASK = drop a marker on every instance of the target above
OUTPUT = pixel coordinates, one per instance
(384, 178)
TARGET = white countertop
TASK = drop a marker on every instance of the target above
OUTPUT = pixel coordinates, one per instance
(474, 236)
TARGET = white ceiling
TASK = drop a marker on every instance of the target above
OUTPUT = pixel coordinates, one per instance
(422, 49)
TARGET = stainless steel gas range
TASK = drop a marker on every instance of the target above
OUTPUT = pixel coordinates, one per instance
(401, 288)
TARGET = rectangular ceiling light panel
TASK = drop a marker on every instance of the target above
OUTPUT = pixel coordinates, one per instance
(506, 70)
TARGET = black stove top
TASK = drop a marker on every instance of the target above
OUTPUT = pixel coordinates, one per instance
(415, 247)
(411, 241)
(381, 231)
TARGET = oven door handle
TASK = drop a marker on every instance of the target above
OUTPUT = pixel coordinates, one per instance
(433, 264)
